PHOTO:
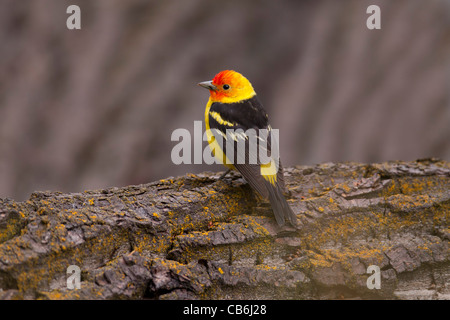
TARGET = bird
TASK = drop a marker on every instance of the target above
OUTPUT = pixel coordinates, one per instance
(233, 114)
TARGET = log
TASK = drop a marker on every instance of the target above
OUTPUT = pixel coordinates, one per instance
(198, 237)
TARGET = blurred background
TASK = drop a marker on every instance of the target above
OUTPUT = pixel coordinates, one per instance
(94, 108)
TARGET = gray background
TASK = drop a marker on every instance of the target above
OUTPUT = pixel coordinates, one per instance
(95, 107)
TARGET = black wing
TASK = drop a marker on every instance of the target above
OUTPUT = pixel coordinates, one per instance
(240, 117)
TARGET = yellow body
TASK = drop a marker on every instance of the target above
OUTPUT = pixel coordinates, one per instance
(213, 145)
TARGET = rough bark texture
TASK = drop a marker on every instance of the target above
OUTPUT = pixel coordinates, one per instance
(202, 238)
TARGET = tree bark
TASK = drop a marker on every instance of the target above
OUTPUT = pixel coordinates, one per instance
(197, 237)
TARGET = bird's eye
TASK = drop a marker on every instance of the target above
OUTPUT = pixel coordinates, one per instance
(226, 87)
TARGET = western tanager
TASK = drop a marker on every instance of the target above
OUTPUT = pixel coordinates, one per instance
(232, 109)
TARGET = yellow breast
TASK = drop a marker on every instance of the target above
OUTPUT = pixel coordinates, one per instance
(213, 145)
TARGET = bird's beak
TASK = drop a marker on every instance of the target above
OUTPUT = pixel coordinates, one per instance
(208, 85)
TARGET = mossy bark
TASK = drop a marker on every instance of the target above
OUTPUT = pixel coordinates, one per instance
(198, 237)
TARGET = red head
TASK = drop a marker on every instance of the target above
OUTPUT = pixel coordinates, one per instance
(229, 86)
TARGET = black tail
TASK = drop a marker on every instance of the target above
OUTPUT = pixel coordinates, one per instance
(280, 206)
